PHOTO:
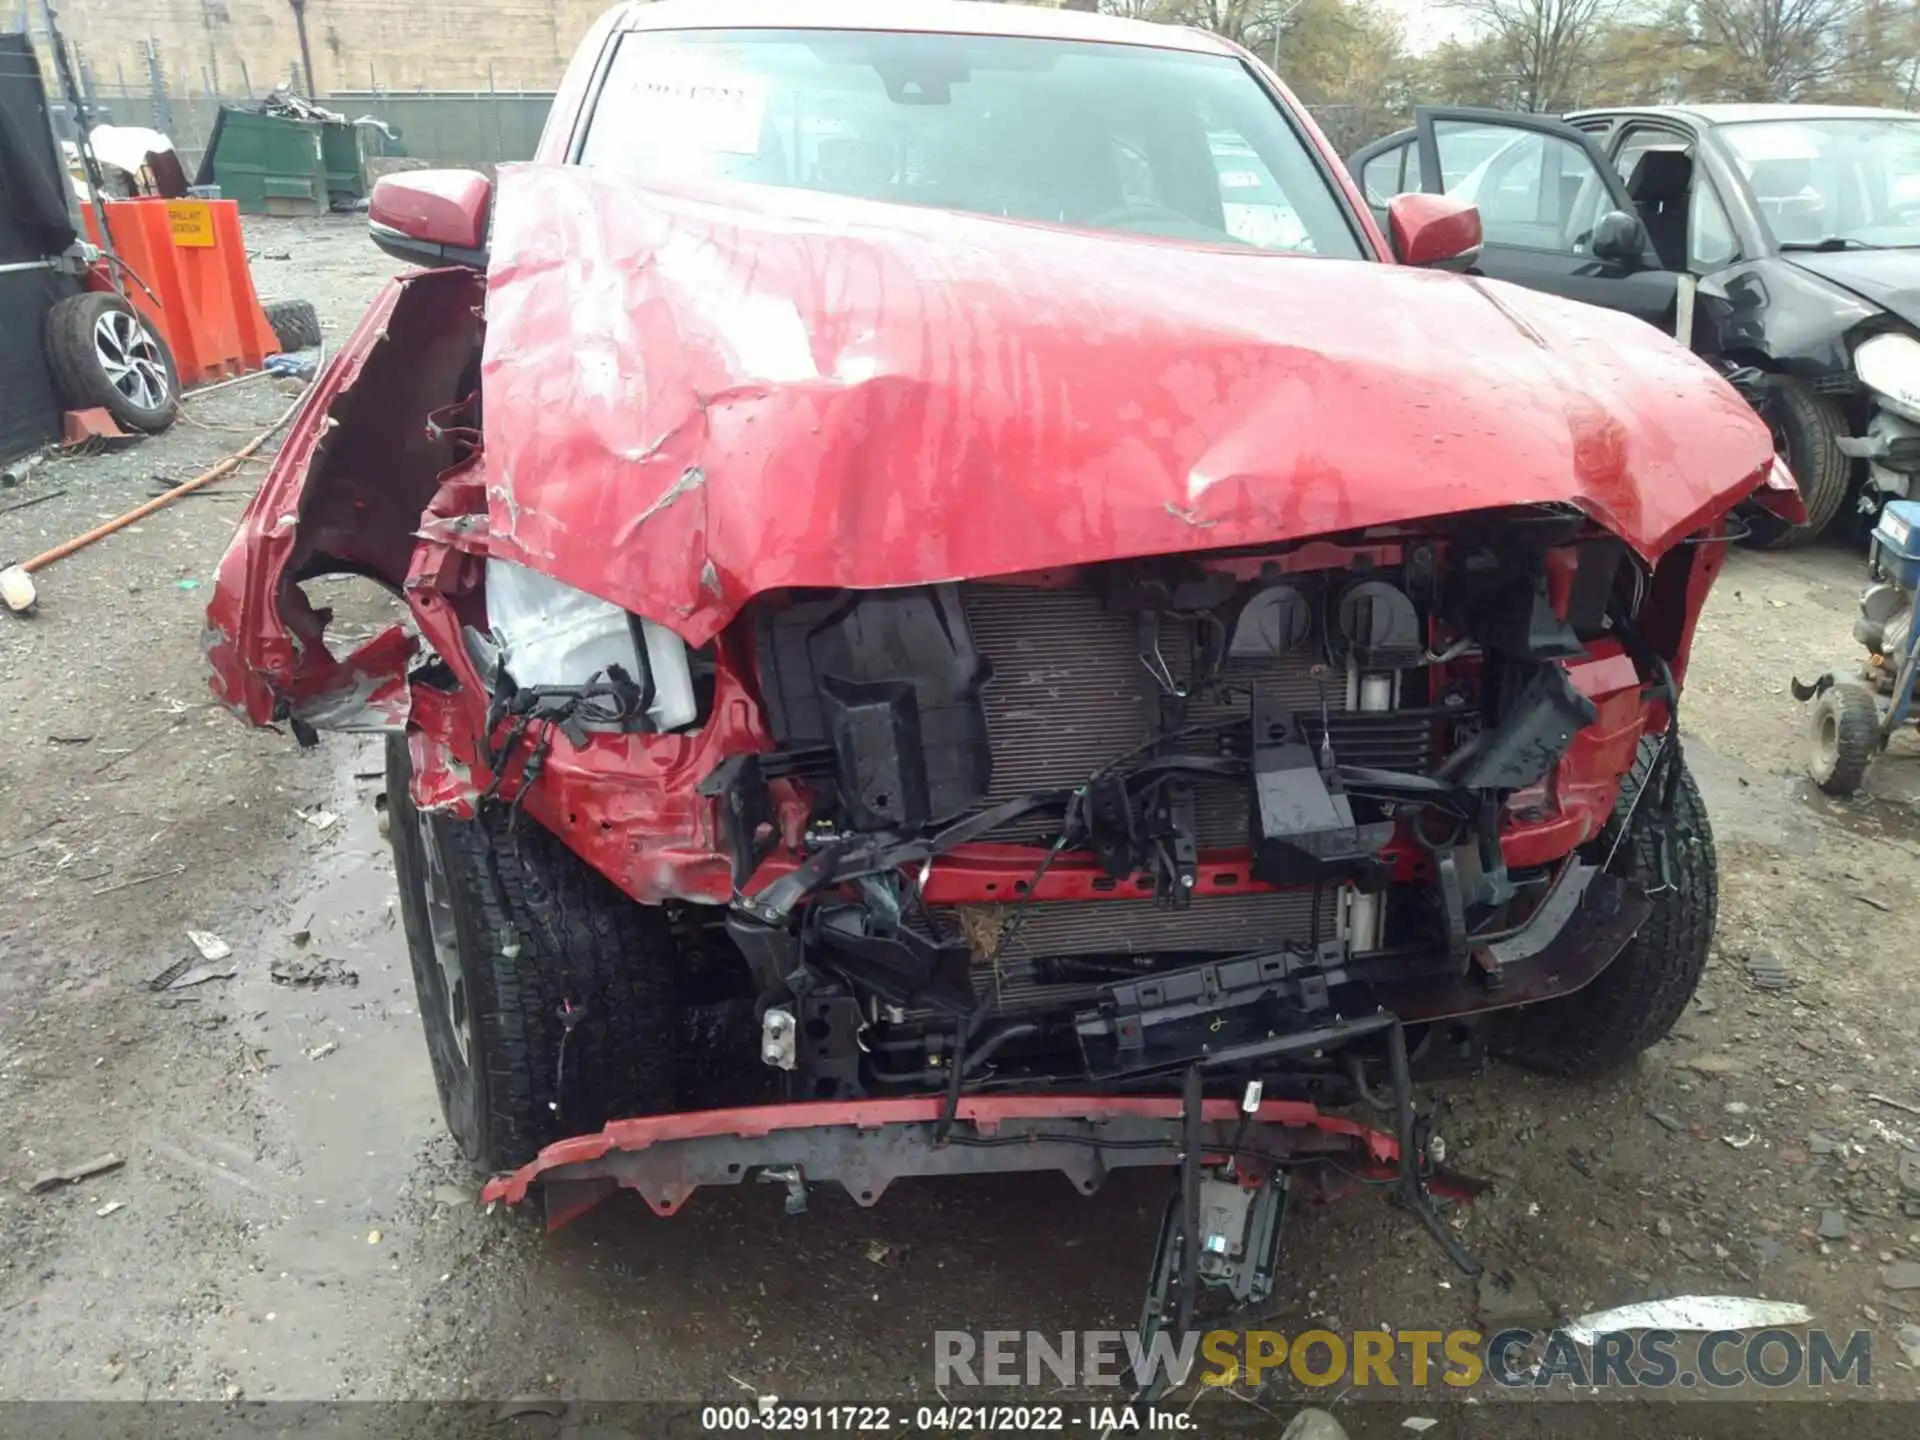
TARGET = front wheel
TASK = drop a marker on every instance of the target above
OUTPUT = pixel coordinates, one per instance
(546, 994)
(1636, 999)
(1807, 428)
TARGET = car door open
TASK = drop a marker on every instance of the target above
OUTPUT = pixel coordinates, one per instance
(1555, 216)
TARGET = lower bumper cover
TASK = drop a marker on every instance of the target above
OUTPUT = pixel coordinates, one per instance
(865, 1145)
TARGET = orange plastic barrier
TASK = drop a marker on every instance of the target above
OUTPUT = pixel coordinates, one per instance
(191, 255)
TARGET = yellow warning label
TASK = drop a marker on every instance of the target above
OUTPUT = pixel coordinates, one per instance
(192, 222)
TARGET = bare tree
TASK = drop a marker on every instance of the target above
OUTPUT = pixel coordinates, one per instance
(1775, 49)
(1545, 44)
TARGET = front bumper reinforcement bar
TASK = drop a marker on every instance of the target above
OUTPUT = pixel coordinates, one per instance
(865, 1145)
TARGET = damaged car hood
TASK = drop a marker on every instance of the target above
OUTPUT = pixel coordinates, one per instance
(698, 394)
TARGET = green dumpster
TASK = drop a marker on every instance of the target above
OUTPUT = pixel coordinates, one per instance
(340, 157)
(277, 165)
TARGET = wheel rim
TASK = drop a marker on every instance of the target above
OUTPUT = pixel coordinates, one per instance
(131, 358)
(452, 988)
(1826, 742)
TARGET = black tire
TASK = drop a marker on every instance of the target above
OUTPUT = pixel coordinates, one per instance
(1843, 736)
(534, 929)
(1636, 999)
(88, 334)
(296, 324)
(1806, 434)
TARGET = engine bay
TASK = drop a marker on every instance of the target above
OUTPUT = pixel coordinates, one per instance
(1272, 785)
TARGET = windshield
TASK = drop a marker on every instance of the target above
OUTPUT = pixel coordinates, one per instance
(1836, 182)
(1108, 137)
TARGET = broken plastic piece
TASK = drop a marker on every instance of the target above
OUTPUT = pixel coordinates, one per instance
(1689, 1312)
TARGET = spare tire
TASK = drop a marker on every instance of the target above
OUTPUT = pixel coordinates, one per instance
(296, 325)
(104, 355)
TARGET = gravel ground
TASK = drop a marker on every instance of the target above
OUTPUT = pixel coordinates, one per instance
(293, 1224)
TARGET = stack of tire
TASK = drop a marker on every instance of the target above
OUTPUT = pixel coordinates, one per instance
(104, 355)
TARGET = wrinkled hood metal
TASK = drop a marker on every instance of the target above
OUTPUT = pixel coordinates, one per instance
(1889, 278)
(698, 394)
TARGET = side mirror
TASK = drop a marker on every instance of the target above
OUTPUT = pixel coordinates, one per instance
(1441, 232)
(1619, 239)
(432, 217)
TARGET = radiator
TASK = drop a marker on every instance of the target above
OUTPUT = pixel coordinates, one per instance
(1070, 694)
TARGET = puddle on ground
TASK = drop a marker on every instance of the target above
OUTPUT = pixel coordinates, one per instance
(1789, 812)
(347, 1076)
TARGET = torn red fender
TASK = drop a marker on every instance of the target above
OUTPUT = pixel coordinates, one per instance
(866, 1144)
(1779, 494)
(343, 498)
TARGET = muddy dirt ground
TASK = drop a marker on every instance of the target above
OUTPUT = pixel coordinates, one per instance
(290, 1221)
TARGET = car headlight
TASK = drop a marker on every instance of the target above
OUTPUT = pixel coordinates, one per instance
(551, 634)
(1889, 365)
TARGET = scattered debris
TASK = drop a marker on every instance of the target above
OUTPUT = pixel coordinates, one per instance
(73, 1174)
(1667, 1122)
(210, 945)
(41, 498)
(297, 366)
(300, 938)
(1888, 1100)
(138, 880)
(16, 589)
(1689, 1312)
(1419, 1424)
(108, 1208)
(1719, 1064)
(1908, 1339)
(453, 1195)
(1737, 1107)
(1882, 906)
(21, 470)
(188, 584)
(1766, 971)
(167, 976)
(1901, 1275)
(883, 1252)
(319, 819)
(1510, 1297)
(373, 1237)
(320, 1052)
(1663, 1227)
(199, 975)
(522, 1405)
(1834, 1225)
(1740, 1142)
(1306, 1425)
(314, 970)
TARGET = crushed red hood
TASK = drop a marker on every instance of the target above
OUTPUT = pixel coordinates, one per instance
(697, 394)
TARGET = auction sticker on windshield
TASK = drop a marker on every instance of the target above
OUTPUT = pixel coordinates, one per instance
(706, 105)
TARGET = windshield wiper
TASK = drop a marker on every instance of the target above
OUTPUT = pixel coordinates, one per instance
(1832, 242)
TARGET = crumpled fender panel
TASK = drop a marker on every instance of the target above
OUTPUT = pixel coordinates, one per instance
(344, 495)
(698, 394)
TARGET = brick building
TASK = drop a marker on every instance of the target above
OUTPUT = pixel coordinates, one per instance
(232, 47)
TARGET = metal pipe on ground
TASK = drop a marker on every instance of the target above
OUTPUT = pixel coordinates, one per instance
(16, 581)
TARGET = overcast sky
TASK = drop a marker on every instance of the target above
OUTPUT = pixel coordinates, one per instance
(1426, 24)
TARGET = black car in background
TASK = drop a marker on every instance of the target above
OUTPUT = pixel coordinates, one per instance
(1781, 242)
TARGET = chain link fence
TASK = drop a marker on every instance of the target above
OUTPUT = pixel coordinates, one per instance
(473, 128)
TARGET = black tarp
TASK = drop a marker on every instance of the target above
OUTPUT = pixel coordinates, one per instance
(35, 222)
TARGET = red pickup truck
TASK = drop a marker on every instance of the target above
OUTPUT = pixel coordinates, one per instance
(971, 611)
